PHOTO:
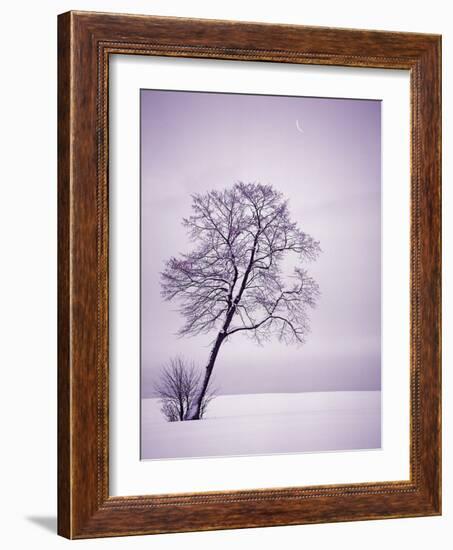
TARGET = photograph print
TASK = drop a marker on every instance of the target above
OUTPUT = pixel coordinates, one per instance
(260, 274)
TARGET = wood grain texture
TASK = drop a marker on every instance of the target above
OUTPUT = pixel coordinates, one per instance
(86, 40)
(64, 370)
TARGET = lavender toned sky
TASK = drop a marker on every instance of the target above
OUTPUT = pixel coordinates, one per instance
(324, 155)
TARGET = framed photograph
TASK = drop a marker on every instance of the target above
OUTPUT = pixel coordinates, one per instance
(249, 275)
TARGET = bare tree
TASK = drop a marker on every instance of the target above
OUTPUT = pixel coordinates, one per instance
(178, 389)
(233, 279)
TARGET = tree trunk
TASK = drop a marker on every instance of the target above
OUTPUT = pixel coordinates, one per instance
(194, 412)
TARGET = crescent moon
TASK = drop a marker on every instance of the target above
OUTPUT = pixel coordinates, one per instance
(299, 129)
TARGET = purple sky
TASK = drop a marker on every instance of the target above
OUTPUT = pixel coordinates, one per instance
(331, 173)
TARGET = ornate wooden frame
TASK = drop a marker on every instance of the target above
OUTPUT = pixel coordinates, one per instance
(85, 42)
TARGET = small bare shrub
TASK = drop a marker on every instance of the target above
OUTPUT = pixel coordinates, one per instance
(178, 389)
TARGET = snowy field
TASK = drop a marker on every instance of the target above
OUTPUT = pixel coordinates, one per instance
(267, 424)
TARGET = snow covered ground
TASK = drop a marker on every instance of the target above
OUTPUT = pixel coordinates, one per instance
(267, 424)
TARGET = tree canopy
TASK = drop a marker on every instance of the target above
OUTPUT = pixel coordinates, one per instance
(233, 279)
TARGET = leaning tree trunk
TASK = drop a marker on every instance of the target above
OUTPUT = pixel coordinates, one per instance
(194, 412)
